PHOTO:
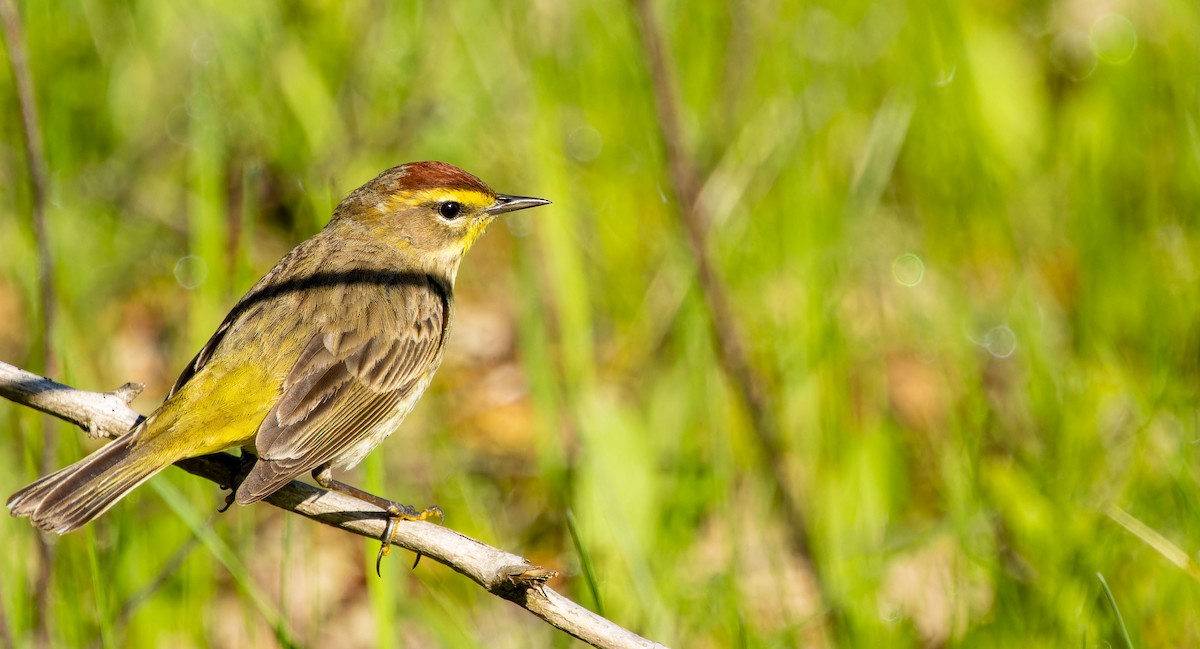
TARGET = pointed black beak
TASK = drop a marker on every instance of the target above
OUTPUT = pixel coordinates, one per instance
(505, 203)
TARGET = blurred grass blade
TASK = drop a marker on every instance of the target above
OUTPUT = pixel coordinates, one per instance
(1112, 602)
(874, 169)
(221, 551)
(99, 592)
(383, 593)
(1150, 537)
(585, 560)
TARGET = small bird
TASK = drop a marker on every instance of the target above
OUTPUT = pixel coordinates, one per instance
(318, 363)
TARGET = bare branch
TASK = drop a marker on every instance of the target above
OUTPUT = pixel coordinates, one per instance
(731, 350)
(35, 159)
(501, 573)
(101, 414)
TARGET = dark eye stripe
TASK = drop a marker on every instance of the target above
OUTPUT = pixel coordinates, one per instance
(450, 210)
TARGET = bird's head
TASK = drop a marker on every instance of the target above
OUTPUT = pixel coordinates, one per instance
(433, 208)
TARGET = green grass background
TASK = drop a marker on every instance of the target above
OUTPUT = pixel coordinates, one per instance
(960, 239)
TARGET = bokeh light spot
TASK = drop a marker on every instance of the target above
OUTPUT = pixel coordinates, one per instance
(1072, 54)
(584, 144)
(908, 269)
(190, 271)
(1000, 341)
(1113, 38)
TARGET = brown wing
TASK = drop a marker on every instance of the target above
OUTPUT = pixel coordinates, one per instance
(351, 376)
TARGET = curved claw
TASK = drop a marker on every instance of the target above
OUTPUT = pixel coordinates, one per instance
(397, 513)
(385, 546)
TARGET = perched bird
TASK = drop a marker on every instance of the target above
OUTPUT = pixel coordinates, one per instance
(318, 363)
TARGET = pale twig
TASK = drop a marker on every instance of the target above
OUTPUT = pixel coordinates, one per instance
(501, 573)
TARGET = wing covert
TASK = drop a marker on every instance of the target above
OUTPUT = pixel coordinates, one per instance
(353, 374)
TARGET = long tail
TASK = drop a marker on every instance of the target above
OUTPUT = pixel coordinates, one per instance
(70, 497)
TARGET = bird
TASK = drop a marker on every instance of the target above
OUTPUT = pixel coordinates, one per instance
(317, 363)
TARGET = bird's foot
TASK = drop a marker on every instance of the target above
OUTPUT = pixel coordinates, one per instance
(246, 462)
(396, 513)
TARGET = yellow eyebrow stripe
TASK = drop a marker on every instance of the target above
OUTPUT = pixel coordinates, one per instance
(467, 197)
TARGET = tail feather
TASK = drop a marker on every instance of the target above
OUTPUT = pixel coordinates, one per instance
(26, 501)
(71, 497)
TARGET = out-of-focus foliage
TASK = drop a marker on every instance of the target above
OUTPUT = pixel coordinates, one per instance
(961, 239)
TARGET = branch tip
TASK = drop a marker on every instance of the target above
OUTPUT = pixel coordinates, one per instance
(530, 575)
(128, 392)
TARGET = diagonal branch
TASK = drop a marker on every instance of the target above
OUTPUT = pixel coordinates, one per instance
(501, 573)
(731, 349)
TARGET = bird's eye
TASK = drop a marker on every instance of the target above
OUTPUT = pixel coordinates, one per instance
(450, 210)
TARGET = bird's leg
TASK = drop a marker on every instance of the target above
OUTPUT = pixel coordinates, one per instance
(396, 511)
(247, 460)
